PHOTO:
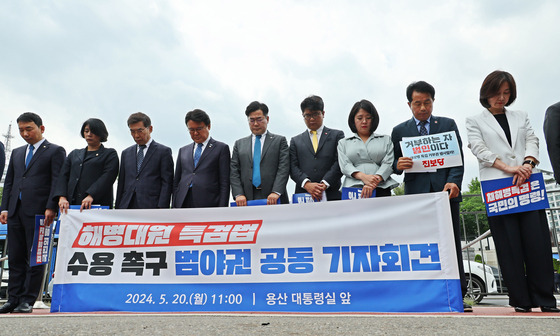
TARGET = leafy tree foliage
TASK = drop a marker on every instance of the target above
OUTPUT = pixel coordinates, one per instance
(472, 208)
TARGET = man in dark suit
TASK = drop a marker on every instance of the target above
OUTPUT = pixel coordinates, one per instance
(260, 163)
(313, 156)
(2, 159)
(202, 173)
(552, 136)
(28, 191)
(421, 96)
(146, 172)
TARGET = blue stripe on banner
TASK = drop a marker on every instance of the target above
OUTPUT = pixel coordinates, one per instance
(307, 297)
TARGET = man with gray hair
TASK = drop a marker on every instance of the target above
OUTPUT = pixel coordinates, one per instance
(146, 173)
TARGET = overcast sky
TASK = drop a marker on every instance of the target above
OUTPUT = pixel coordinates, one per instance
(72, 60)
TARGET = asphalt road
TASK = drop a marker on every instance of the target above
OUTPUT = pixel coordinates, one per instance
(276, 325)
(491, 317)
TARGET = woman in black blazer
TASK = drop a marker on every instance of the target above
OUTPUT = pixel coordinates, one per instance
(88, 174)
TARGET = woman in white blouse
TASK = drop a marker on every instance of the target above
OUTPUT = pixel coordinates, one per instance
(505, 145)
(366, 158)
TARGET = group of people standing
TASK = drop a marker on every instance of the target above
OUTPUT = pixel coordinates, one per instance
(41, 179)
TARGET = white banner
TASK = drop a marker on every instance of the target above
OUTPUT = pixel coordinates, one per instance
(431, 152)
(346, 256)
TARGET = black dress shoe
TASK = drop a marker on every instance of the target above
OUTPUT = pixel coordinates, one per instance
(522, 309)
(7, 307)
(550, 309)
(23, 308)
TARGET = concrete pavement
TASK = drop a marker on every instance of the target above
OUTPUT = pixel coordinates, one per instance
(485, 320)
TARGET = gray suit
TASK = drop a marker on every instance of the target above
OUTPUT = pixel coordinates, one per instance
(275, 167)
(552, 136)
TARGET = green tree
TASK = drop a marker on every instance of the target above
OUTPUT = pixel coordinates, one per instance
(398, 191)
(471, 208)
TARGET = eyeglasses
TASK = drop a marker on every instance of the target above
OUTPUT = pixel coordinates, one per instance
(258, 120)
(198, 129)
(137, 131)
(314, 115)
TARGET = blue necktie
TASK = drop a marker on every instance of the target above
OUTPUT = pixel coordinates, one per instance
(257, 162)
(140, 158)
(29, 156)
(423, 129)
(197, 154)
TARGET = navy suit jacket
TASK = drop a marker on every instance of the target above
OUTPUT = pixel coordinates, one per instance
(209, 179)
(418, 183)
(322, 165)
(152, 185)
(97, 173)
(36, 183)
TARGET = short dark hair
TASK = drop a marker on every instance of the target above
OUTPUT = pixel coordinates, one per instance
(491, 86)
(421, 87)
(30, 117)
(97, 127)
(139, 117)
(312, 103)
(255, 106)
(198, 115)
(367, 106)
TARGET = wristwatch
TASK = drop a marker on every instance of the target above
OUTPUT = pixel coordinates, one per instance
(531, 162)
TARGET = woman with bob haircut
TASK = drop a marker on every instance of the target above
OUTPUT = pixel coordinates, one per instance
(366, 158)
(505, 145)
(88, 174)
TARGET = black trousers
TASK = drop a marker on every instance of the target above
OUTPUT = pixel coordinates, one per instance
(524, 252)
(25, 282)
(382, 192)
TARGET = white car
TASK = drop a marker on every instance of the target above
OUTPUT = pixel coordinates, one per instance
(480, 280)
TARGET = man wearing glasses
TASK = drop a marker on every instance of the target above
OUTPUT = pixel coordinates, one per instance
(146, 173)
(202, 173)
(260, 163)
(313, 156)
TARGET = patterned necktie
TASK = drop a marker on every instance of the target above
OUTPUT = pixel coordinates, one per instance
(197, 154)
(29, 156)
(140, 158)
(314, 140)
(257, 162)
(423, 129)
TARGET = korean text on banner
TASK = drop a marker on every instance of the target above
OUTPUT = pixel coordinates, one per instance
(41, 242)
(431, 152)
(502, 197)
(362, 256)
(349, 193)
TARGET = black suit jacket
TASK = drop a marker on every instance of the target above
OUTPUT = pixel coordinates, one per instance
(209, 179)
(418, 183)
(323, 165)
(36, 183)
(152, 185)
(98, 172)
(552, 136)
(2, 159)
